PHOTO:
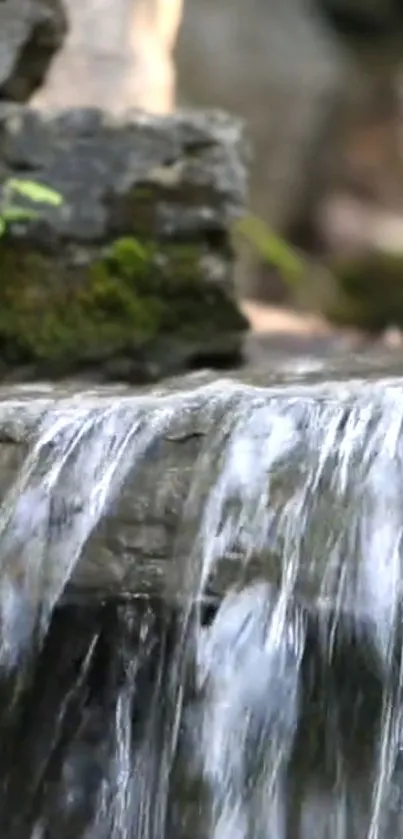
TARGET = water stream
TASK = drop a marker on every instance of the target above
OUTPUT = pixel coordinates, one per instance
(264, 699)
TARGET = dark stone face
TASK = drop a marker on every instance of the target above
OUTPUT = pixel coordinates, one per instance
(60, 749)
(30, 35)
(342, 692)
(363, 18)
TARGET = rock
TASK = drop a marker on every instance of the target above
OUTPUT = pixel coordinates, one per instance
(131, 276)
(121, 53)
(31, 32)
(367, 291)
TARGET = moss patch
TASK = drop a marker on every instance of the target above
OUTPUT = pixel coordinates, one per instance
(133, 295)
(368, 291)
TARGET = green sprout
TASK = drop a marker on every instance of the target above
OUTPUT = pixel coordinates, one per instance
(271, 248)
(11, 211)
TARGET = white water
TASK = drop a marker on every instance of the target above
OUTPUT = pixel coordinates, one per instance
(310, 479)
(70, 478)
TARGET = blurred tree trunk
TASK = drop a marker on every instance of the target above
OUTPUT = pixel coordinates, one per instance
(117, 55)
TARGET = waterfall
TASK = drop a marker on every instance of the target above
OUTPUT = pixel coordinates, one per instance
(261, 699)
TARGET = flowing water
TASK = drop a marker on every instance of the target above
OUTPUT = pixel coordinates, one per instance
(261, 699)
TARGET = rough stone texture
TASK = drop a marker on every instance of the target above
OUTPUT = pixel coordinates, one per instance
(279, 67)
(132, 274)
(320, 105)
(31, 32)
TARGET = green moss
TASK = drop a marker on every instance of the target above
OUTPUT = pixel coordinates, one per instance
(127, 299)
(368, 291)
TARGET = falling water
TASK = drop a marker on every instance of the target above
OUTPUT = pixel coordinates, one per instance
(263, 700)
(73, 473)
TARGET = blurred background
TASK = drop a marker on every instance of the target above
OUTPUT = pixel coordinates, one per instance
(320, 85)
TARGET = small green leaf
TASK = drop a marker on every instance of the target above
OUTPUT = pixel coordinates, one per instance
(15, 214)
(39, 193)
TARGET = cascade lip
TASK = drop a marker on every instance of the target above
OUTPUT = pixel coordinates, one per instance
(281, 370)
(23, 407)
(137, 550)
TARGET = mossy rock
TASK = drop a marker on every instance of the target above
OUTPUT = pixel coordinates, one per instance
(368, 291)
(134, 301)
